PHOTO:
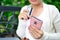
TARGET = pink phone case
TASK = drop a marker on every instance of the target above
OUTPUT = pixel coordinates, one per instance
(36, 22)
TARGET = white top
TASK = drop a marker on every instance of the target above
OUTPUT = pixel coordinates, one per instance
(51, 24)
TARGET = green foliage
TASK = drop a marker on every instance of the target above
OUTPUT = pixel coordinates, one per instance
(22, 3)
(2, 28)
(53, 2)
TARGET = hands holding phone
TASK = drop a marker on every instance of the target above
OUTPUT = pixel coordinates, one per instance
(36, 33)
(35, 27)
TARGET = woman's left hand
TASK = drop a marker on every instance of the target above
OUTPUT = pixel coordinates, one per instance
(36, 33)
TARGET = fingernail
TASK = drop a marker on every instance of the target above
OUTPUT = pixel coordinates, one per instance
(22, 18)
(28, 17)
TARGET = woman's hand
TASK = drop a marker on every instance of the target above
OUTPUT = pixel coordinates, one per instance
(36, 33)
(25, 39)
(24, 15)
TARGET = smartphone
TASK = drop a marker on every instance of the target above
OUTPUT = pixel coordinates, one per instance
(35, 22)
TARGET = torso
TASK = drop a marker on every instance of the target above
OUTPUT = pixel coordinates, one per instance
(44, 16)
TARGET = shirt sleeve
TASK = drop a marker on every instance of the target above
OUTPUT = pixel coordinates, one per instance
(21, 25)
(56, 23)
(21, 28)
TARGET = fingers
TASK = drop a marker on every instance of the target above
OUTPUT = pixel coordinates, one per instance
(32, 34)
(26, 12)
(36, 34)
(35, 29)
(24, 15)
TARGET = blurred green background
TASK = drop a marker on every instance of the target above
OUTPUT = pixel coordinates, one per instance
(22, 3)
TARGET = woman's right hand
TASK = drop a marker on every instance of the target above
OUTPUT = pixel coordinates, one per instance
(24, 15)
